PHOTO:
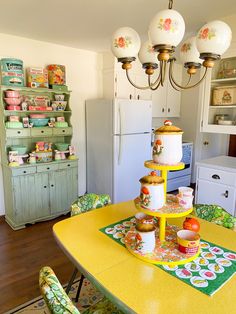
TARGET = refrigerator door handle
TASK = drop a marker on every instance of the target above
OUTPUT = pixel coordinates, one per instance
(120, 149)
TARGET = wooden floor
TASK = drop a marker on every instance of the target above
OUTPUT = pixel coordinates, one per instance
(22, 254)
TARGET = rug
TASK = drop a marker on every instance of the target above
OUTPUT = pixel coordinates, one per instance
(89, 295)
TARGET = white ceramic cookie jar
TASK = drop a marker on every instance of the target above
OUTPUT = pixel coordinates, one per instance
(152, 191)
(167, 148)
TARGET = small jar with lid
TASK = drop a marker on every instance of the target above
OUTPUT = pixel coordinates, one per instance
(167, 148)
(152, 191)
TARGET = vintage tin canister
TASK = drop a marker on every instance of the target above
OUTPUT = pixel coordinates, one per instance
(56, 74)
(37, 77)
(167, 148)
(12, 72)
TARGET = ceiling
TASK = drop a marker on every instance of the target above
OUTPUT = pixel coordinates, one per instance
(89, 24)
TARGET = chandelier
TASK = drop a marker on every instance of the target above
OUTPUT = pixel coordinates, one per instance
(166, 31)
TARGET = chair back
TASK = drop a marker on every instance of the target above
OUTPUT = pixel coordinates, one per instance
(54, 295)
(215, 214)
(89, 201)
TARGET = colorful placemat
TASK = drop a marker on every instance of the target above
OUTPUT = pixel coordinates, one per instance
(207, 273)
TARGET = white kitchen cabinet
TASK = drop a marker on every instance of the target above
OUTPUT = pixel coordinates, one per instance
(220, 77)
(166, 100)
(216, 182)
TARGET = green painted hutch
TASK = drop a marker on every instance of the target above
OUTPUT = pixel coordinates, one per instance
(40, 191)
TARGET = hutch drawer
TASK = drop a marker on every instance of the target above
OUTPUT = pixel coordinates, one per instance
(23, 171)
(41, 131)
(62, 131)
(47, 167)
(69, 164)
(17, 132)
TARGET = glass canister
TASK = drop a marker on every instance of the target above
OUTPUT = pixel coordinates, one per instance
(12, 72)
(167, 148)
(56, 74)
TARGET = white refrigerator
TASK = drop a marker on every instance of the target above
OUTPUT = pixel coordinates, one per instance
(118, 134)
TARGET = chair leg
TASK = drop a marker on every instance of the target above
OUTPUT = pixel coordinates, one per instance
(79, 288)
(71, 280)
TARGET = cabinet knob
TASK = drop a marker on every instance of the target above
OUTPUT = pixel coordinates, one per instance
(205, 143)
(162, 110)
(24, 171)
(138, 97)
(63, 131)
(42, 131)
(45, 186)
(68, 165)
(226, 194)
(130, 96)
(52, 185)
(48, 168)
(18, 132)
(216, 177)
(168, 109)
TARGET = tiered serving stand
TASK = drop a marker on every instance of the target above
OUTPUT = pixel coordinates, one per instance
(166, 251)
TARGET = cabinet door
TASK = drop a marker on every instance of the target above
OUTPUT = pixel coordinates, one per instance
(159, 102)
(173, 96)
(142, 80)
(123, 88)
(31, 197)
(63, 189)
(216, 194)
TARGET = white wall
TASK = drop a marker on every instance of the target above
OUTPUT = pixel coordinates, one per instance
(82, 78)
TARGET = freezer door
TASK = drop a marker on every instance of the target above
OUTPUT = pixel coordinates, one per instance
(130, 152)
(132, 116)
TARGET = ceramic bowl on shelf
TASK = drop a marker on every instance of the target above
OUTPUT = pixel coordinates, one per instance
(39, 122)
(14, 125)
(61, 124)
(62, 146)
(13, 101)
(38, 116)
(59, 105)
(15, 108)
(225, 122)
(59, 97)
(12, 94)
(21, 150)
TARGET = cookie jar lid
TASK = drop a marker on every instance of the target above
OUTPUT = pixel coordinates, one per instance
(152, 179)
(168, 128)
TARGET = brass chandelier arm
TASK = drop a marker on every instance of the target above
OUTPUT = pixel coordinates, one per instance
(132, 83)
(156, 84)
(172, 80)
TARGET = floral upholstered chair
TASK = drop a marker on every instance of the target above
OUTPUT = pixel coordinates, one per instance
(215, 214)
(58, 301)
(84, 204)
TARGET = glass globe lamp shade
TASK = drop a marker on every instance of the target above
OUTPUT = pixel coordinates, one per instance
(166, 28)
(214, 37)
(125, 43)
(147, 54)
(189, 52)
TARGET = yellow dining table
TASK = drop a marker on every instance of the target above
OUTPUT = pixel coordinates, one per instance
(134, 285)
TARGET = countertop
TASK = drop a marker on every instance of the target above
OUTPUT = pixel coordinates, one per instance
(220, 162)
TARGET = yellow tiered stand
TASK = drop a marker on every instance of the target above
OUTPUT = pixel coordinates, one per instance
(171, 209)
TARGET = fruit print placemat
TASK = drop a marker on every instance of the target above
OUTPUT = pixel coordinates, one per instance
(207, 273)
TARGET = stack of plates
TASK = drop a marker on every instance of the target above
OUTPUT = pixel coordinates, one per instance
(225, 122)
